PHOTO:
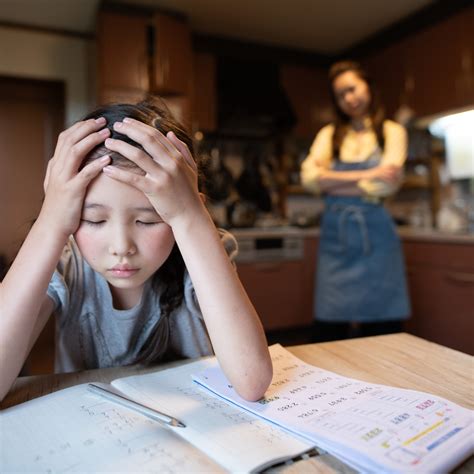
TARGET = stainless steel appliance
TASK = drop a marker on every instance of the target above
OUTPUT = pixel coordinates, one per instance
(270, 248)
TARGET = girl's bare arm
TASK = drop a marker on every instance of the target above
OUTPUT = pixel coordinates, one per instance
(24, 305)
(170, 183)
(234, 327)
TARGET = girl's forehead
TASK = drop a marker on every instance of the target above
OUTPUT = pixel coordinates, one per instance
(116, 159)
(109, 194)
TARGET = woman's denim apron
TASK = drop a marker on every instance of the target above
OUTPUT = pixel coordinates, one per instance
(361, 274)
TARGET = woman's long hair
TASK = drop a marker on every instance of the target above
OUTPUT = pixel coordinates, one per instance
(342, 122)
(170, 276)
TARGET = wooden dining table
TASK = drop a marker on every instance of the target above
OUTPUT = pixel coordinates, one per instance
(400, 360)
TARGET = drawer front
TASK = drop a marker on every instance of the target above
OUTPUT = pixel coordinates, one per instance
(439, 254)
(442, 306)
(278, 292)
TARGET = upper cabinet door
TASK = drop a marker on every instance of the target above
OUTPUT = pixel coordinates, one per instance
(431, 71)
(172, 59)
(123, 59)
(307, 91)
(440, 61)
(204, 92)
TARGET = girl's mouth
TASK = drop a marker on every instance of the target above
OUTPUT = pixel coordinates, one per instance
(123, 272)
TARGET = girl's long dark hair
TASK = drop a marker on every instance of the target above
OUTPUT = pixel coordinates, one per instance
(342, 122)
(170, 276)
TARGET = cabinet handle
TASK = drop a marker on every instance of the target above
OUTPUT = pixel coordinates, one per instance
(459, 277)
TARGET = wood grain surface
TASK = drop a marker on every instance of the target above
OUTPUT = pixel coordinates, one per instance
(400, 360)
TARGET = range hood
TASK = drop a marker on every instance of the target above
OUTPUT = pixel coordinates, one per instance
(251, 100)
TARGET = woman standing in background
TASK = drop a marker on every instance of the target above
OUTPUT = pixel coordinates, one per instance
(355, 163)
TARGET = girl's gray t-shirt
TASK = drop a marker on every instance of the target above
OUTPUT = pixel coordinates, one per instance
(91, 333)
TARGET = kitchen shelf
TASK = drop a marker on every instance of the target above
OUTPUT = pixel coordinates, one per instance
(297, 189)
(416, 182)
(430, 181)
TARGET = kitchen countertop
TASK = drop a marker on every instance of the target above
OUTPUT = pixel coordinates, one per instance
(405, 232)
(278, 231)
(434, 235)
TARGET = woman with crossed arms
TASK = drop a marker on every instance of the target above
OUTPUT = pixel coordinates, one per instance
(355, 163)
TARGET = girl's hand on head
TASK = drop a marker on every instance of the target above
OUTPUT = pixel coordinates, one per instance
(64, 185)
(170, 180)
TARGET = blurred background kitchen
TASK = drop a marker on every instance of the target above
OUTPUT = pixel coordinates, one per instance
(248, 79)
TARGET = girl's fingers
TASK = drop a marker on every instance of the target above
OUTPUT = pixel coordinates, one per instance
(163, 150)
(153, 132)
(151, 139)
(70, 137)
(93, 169)
(89, 142)
(183, 149)
(139, 157)
(133, 179)
(79, 151)
(80, 130)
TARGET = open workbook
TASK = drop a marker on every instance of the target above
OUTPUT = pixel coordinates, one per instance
(74, 430)
(373, 428)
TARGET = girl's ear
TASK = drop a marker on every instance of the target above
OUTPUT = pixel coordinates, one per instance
(203, 198)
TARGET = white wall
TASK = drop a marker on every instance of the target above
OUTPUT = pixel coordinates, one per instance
(50, 56)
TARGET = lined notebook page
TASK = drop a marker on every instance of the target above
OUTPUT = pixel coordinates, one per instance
(75, 431)
(234, 438)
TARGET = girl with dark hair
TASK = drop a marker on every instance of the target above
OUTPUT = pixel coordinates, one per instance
(356, 162)
(126, 256)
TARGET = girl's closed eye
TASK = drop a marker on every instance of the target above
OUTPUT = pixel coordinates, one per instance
(146, 222)
(148, 217)
(93, 222)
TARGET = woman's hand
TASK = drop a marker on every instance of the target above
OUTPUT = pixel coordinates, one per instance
(388, 173)
(65, 186)
(170, 173)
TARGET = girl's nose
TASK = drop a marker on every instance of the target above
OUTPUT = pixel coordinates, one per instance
(122, 246)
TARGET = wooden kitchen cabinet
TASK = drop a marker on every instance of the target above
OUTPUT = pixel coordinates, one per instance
(172, 58)
(307, 91)
(282, 291)
(123, 61)
(431, 71)
(441, 285)
(204, 92)
(141, 53)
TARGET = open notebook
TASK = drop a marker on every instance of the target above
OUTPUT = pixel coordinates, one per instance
(373, 428)
(73, 430)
